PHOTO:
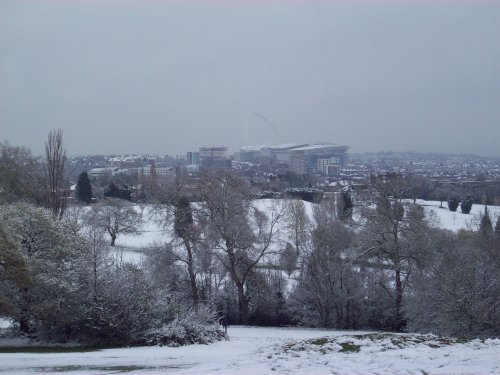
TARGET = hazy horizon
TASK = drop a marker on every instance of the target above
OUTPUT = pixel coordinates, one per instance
(165, 77)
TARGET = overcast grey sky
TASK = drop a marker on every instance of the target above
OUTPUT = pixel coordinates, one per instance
(168, 77)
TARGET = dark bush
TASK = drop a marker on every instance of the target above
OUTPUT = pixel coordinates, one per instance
(466, 205)
(453, 203)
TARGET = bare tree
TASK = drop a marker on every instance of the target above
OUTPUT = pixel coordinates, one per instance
(175, 208)
(118, 217)
(55, 159)
(394, 239)
(298, 225)
(96, 257)
(241, 234)
(185, 230)
(329, 283)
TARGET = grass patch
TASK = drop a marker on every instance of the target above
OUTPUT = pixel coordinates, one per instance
(349, 347)
(373, 336)
(48, 349)
(118, 369)
(383, 341)
(114, 369)
(320, 342)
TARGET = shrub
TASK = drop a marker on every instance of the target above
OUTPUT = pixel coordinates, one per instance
(194, 327)
(453, 203)
(466, 205)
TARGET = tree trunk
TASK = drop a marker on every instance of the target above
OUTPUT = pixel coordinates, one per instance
(399, 321)
(113, 239)
(24, 319)
(192, 274)
(243, 304)
(240, 285)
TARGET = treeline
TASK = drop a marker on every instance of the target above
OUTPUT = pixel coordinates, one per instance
(393, 268)
(378, 262)
(478, 191)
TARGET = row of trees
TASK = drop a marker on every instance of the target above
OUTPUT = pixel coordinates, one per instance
(61, 280)
(395, 269)
(372, 271)
(42, 182)
(380, 264)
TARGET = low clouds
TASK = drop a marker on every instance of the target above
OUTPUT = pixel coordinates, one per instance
(166, 77)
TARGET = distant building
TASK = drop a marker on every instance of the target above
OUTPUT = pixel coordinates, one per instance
(193, 158)
(216, 157)
(214, 152)
(321, 158)
(102, 171)
(164, 173)
(325, 158)
(268, 154)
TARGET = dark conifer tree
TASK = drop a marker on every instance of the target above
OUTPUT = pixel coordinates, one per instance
(453, 203)
(486, 225)
(466, 205)
(83, 190)
(115, 191)
(347, 205)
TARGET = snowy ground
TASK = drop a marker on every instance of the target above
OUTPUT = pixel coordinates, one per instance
(457, 220)
(133, 248)
(277, 351)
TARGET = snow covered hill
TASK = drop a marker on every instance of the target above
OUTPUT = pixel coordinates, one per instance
(457, 220)
(133, 247)
(253, 350)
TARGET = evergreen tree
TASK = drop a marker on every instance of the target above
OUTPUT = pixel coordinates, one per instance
(466, 205)
(347, 205)
(115, 191)
(486, 225)
(83, 191)
(453, 203)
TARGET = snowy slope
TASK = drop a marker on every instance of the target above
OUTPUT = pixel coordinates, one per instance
(457, 220)
(133, 247)
(275, 351)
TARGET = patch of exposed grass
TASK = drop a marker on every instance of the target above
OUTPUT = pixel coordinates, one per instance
(385, 341)
(373, 336)
(114, 369)
(349, 347)
(295, 347)
(320, 342)
(70, 368)
(48, 349)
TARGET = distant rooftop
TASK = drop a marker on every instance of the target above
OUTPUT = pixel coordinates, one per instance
(296, 147)
(282, 146)
(320, 146)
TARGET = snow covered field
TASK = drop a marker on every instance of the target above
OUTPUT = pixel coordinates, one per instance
(457, 220)
(277, 351)
(133, 247)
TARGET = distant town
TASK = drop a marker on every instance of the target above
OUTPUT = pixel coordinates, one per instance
(328, 167)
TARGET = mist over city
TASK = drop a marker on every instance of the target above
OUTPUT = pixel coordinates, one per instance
(164, 77)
